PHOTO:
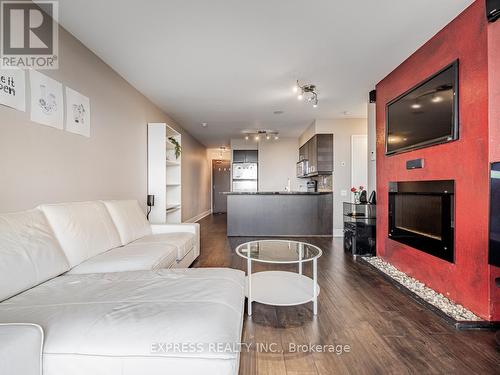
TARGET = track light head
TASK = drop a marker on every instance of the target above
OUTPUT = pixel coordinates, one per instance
(307, 91)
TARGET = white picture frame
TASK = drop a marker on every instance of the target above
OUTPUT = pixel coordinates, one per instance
(77, 113)
(13, 88)
(47, 102)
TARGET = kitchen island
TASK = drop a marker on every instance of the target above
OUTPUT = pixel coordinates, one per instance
(279, 214)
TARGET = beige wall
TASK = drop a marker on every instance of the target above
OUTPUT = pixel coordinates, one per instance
(40, 164)
(372, 147)
(307, 134)
(277, 163)
(342, 130)
(218, 154)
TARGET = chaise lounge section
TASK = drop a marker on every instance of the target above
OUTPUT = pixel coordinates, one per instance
(60, 289)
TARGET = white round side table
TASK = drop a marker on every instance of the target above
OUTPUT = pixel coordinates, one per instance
(281, 288)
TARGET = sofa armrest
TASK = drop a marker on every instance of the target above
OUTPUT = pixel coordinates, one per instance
(21, 348)
(184, 227)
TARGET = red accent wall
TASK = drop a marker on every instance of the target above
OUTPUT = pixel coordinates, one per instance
(468, 281)
(494, 120)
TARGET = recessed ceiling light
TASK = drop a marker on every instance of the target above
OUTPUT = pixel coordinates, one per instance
(204, 124)
(437, 99)
(247, 137)
(416, 106)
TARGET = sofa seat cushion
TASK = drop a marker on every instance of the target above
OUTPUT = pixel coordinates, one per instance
(84, 229)
(183, 241)
(119, 323)
(129, 219)
(147, 257)
(29, 252)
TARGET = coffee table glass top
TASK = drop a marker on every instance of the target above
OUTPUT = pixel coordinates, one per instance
(278, 251)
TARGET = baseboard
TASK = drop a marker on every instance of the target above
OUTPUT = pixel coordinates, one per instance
(338, 233)
(198, 217)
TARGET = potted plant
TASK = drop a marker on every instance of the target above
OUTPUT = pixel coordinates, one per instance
(178, 147)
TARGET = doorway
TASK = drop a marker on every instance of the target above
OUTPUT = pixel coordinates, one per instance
(221, 182)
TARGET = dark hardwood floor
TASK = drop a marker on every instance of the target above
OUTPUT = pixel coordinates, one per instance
(387, 332)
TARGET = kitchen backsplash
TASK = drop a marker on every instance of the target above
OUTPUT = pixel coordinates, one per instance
(325, 183)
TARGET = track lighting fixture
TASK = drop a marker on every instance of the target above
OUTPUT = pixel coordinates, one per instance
(261, 134)
(308, 91)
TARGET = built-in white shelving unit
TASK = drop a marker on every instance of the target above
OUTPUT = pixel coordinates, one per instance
(164, 174)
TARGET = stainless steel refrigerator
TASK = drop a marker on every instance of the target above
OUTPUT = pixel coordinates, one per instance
(245, 177)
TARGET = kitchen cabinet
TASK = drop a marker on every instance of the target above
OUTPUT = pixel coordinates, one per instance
(245, 156)
(252, 156)
(319, 152)
(304, 152)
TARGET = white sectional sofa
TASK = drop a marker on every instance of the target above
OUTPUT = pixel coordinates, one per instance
(90, 288)
(114, 236)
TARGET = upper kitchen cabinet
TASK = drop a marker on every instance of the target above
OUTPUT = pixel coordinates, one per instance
(319, 153)
(324, 153)
(252, 156)
(245, 156)
(304, 152)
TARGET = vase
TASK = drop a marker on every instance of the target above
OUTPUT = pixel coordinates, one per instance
(356, 197)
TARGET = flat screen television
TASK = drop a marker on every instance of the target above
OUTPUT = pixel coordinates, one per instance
(425, 115)
(494, 251)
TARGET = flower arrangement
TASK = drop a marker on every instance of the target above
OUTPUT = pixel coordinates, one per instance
(357, 193)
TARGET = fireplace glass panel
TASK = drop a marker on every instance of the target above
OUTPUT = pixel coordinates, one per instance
(419, 214)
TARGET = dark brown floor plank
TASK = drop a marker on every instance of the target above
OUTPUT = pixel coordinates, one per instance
(387, 331)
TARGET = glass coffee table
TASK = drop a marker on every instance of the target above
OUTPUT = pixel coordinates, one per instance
(281, 288)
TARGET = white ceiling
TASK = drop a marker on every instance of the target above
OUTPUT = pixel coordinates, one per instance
(232, 63)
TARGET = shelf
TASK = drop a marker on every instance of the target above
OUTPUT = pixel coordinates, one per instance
(171, 210)
(172, 185)
(171, 163)
(288, 289)
(173, 205)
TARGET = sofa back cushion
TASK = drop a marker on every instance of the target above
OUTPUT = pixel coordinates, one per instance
(29, 252)
(129, 220)
(84, 229)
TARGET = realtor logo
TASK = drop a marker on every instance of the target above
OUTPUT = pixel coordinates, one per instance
(29, 34)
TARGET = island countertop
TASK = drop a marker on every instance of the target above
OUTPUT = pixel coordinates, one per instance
(276, 193)
(281, 213)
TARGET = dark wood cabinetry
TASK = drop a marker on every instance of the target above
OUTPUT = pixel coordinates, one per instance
(245, 156)
(319, 153)
(304, 152)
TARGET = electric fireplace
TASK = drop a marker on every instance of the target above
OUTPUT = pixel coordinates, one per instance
(422, 215)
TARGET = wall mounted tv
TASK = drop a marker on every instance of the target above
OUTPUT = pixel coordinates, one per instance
(425, 115)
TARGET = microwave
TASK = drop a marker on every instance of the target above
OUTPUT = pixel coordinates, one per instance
(302, 168)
